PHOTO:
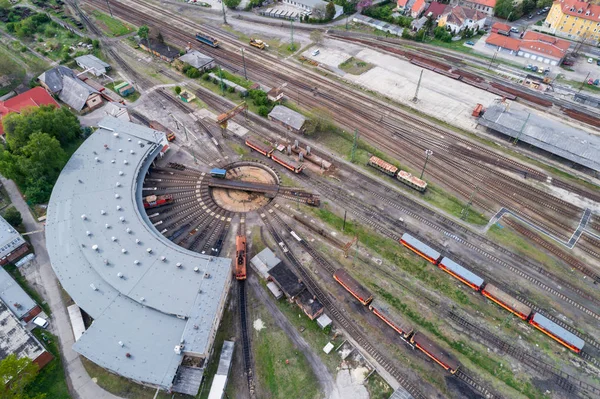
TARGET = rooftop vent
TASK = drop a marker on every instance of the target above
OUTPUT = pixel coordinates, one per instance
(127, 355)
(107, 226)
(129, 139)
(120, 275)
(106, 262)
(84, 217)
(95, 247)
(113, 238)
(128, 230)
(119, 207)
(88, 233)
(195, 326)
(106, 146)
(149, 250)
(120, 150)
(196, 269)
(125, 162)
(132, 152)
(112, 161)
(122, 219)
(136, 262)
(206, 275)
(142, 299)
(137, 240)
(178, 264)
(97, 159)
(116, 134)
(118, 184)
(102, 212)
(163, 258)
(93, 287)
(121, 344)
(140, 142)
(123, 250)
(120, 173)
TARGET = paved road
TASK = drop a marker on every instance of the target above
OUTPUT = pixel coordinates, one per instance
(40, 274)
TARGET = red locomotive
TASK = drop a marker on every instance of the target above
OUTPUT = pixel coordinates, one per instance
(240, 257)
(154, 201)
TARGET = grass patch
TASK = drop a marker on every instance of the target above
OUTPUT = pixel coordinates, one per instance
(12, 73)
(112, 26)
(576, 85)
(234, 78)
(118, 385)
(355, 66)
(257, 242)
(51, 379)
(22, 281)
(378, 388)
(131, 98)
(281, 368)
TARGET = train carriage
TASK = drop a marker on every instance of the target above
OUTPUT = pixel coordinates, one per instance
(383, 166)
(218, 173)
(464, 275)
(207, 39)
(353, 286)
(404, 331)
(258, 146)
(435, 352)
(420, 249)
(412, 181)
(506, 301)
(287, 162)
(240, 257)
(557, 333)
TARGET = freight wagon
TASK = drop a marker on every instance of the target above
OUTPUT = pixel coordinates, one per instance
(402, 330)
(401, 175)
(464, 275)
(153, 201)
(206, 39)
(353, 286)
(506, 301)
(287, 162)
(420, 249)
(240, 257)
(259, 147)
(436, 353)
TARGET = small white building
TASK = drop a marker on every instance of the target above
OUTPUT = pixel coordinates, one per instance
(459, 18)
(93, 64)
(310, 5)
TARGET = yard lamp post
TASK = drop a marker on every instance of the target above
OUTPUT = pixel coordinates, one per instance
(244, 62)
(427, 154)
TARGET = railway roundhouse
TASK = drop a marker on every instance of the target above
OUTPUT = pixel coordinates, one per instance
(153, 303)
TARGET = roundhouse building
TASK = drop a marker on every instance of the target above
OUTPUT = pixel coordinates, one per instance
(153, 302)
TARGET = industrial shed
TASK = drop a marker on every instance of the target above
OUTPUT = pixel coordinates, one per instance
(12, 244)
(556, 138)
(288, 118)
(153, 303)
(93, 64)
(16, 299)
(285, 279)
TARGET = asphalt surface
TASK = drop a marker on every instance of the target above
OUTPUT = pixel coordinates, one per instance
(40, 274)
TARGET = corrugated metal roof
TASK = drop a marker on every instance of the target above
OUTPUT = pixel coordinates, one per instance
(427, 250)
(461, 271)
(134, 295)
(557, 138)
(10, 239)
(89, 61)
(288, 116)
(557, 330)
(196, 59)
(12, 294)
(75, 93)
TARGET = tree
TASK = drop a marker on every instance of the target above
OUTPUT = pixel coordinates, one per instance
(177, 89)
(316, 36)
(16, 374)
(232, 3)
(13, 217)
(96, 43)
(505, 9)
(329, 11)
(59, 123)
(192, 73)
(144, 33)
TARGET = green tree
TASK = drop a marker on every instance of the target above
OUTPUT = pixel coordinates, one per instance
(144, 33)
(505, 9)
(316, 36)
(96, 43)
(329, 11)
(13, 217)
(59, 123)
(192, 73)
(16, 374)
(263, 110)
(177, 89)
(5, 4)
(232, 3)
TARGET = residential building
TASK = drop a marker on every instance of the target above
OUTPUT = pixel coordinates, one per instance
(160, 49)
(92, 64)
(435, 10)
(501, 29)
(417, 8)
(312, 5)
(459, 18)
(198, 60)
(70, 89)
(288, 118)
(31, 98)
(417, 24)
(16, 299)
(484, 6)
(12, 244)
(275, 94)
(574, 19)
(541, 48)
(403, 5)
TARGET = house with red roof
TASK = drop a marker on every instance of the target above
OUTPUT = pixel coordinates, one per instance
(501, 29)
(535, 46)
(31, 98)
(434, 10)
(402, 5)
(484, 6)
(459, 18)
(418, 7)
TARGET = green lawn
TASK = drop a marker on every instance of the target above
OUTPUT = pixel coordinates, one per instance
(378, 388)
(355, 66)
(11, 70)
(51, 379)
(576, 85)
(112, 26)
(16, 274)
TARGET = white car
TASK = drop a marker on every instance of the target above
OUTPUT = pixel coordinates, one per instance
(590, 61)
(317, 52)
(40, 322)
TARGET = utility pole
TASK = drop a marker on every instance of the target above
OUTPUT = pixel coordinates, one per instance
(354, 145)
(109, 10)
(492, 60)
(244, 62)
(344, 225)
(522, 128)
(224, 16)
(465, 212)
(222, 84)
(416, 97)
(584, 82)
(292, 26)
(346, 21)
(427, 154)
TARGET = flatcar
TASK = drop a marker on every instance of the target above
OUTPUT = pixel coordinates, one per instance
(240, 257)
(353, 286)
(420, 249)
(557, 333)
(412, 181)
(383, 166)
(506, 301)
(403, 331)
(436, 353)
(218, 173)
(206, 39)
(259, 147)
(464, 275)
(288, 163)
(154, 201)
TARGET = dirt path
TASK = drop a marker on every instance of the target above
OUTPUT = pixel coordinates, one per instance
(324, 377)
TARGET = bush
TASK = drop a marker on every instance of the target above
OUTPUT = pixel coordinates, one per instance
(263, 111)
(177, 89)
(192, 73)
(206, 76)
(232, 3)
(13, 217)
(231, 89)
(96, 43)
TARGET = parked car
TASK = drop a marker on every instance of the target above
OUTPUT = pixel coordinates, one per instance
(598, 62)
(514, 29)
(596, 82)
(40, 322)
(316, 52)
(534, 68)
(530, 16)
(590, 81)
(469, 43)
(546, 9)
(568, 62)
(590, 60)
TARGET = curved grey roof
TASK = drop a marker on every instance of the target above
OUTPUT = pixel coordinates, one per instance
(141, 289)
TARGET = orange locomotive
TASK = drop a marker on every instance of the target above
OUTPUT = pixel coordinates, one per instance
(240, 257)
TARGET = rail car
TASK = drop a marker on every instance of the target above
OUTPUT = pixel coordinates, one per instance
(218, 173)
(435, 352)
(257, 43)
(557, 333)
(154, 201)
(420, 249)
(240, 257)
(404, 332)
(287, 162)
(462, 274)
(401, 175)
(156, 125)
(206, 39)
(353, 286)
(506, 301)
(260, 147)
